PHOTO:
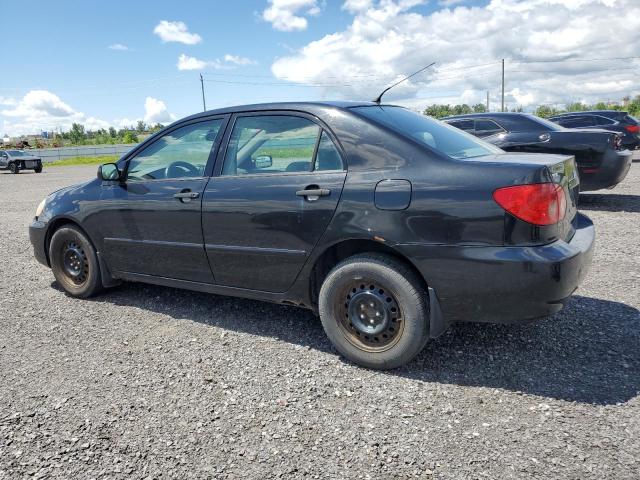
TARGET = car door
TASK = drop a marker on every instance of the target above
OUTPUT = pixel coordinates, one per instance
(273, 195)
(484, 127)
(150, 221)
(4, 159)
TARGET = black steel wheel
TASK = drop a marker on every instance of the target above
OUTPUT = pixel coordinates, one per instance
(374, 310)
(74, 262)
(38, 169)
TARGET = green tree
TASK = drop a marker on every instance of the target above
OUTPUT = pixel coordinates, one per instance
(77, 134)
(112, 132)
(129, 137)
(546, 111)
(141, 126)
(479, 108)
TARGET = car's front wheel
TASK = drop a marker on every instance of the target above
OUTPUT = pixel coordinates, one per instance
(38, 169)
(13, 168)
(74, 262)
(373, 308)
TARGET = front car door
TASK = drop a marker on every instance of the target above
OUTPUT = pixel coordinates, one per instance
(274, 193)
(4, 159)
(150, 223)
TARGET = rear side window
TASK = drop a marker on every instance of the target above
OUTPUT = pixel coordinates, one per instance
(327, 156)
(270, 144)
(486, 128)
(466, 125)
(437, 135)
(604, 120)
(577, 121)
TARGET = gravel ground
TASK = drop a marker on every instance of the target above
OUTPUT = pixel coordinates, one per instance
(152, 382)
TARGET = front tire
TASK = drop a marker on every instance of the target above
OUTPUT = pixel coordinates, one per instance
(74, 262)
(373, 309)
(13, 168)
(38, 169)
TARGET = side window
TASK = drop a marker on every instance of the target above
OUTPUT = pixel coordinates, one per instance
(466, 125)
(578, 121)
(486, 128)
(327, 157)
(181, 153)
(270, 144)
(604, 120)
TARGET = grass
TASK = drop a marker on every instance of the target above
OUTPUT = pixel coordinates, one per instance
(83, 161)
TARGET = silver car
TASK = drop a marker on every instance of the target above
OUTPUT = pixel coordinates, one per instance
(16, 160)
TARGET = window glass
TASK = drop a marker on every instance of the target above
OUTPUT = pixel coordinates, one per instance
(485, 128)
(181, 153)
(577, 121)
(327, 157)
(437, 135)
(270, 144)
(604, 120)
(466, 125)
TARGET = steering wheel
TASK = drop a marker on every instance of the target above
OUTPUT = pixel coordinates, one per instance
(181, 169)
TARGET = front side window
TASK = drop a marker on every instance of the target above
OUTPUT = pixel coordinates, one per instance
(437, 135)
(181, 153)
(466, 125)
(270, 144)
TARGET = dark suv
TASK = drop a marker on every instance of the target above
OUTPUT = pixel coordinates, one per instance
(389, 224)
(611, 120)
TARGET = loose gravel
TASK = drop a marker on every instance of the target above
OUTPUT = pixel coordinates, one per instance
(153, 382)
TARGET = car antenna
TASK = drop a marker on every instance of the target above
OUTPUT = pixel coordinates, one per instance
(379, 97)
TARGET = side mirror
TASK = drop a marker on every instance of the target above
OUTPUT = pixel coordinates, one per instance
(263, 161)
(109, 172)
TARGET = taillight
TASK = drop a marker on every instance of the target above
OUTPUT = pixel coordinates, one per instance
(632, 128)
(538, 203)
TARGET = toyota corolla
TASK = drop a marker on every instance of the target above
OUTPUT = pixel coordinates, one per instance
(388, 224)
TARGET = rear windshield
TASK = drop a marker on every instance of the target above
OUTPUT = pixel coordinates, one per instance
(437, 135)
(631, 119)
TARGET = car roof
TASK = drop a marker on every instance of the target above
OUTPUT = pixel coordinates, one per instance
(256, 107)
(592, 112)
(489, 115)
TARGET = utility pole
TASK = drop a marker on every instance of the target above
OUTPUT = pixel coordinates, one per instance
(502, 109)
(487, 100)
(204, 103)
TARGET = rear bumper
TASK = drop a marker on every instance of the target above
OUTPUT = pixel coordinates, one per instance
(505, 284)
(613, 169)
(37, 235)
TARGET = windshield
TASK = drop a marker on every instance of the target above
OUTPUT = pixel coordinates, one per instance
(16, 153)
(437, 135)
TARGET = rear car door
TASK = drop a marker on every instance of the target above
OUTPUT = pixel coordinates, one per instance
(272, 196)
(4, 159)
(150, 223)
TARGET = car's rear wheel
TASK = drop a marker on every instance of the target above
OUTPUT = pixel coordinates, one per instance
(38, 169)
(373, 308)
(74, 262)
(14, 168)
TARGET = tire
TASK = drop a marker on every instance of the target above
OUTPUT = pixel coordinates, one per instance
(74, 262)
(374, 310)
(13, 167)
(38, 169)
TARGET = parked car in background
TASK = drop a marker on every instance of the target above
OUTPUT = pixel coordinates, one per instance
(384, 221)
(17, 160)
(611, 120)
(602, 163)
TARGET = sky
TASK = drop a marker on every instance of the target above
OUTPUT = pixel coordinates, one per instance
(114, 63)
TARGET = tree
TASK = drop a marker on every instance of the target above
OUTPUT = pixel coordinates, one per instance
(479, 108)
(130, 137)
(77, 134)
(141, 126)
(546, 111)
(112, 132)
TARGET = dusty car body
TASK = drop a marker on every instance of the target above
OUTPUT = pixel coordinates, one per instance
(17, 160)
(385, 222)
(602, 163)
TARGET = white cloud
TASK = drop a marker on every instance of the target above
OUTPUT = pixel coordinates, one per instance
(290, 15)
(185, 62)
(176, 32)
(119, 46)
(155, 111)
(8, 101)
(42, 110)
(239, 60)
(387, 40)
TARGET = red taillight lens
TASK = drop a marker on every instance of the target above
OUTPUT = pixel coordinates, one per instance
(539, 203)
(632, 128)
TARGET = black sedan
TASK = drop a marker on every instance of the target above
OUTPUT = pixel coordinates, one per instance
(385, 222)
(611, 120)
(17, 160)
(602, 163)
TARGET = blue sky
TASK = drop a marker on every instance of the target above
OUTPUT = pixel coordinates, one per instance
(59, 66)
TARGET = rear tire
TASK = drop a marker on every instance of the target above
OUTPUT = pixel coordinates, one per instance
(14, 168)
(38, 169)
(74, 262)
(373, 309)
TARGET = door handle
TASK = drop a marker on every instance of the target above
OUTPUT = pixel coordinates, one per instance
(313, 192)
(186, 196)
